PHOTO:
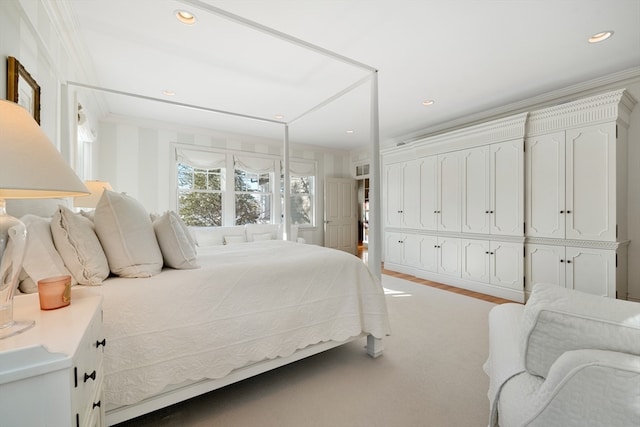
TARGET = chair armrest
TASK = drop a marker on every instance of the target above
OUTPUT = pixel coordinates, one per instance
(590, 388)
(505, 355)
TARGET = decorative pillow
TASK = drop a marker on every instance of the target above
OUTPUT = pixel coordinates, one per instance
(230, 240)
(262, 236)
(79, 247)
(126, 233)
(176, 245)
(41, 260)
(207, 236)
(255, 229)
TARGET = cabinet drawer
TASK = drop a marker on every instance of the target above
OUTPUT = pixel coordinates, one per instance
(87, 372)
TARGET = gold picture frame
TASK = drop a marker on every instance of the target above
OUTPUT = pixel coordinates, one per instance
(22, 88)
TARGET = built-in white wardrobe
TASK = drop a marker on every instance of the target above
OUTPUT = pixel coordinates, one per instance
(500, 206)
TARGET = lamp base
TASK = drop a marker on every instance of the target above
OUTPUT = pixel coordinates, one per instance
(17, 327)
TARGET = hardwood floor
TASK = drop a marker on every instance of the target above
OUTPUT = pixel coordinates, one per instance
(362, 253)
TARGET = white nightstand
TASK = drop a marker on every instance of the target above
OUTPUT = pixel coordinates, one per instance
(51, 374)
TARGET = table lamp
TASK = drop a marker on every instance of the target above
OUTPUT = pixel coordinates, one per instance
(30, 167)
(96, 188)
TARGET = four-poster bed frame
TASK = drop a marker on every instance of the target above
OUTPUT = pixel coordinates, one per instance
(374, 345)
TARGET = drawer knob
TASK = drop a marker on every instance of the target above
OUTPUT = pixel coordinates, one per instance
(101, 343)
(96, 405)
(92, 376)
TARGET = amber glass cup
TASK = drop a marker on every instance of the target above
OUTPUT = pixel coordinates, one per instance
(54, 292)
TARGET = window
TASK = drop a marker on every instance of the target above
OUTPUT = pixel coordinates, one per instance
(201, 185)
(200, 195)
(253, 186)
(253, 197)
(302, 193)
(223, 189)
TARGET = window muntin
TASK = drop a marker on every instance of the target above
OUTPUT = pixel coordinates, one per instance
(200, 195)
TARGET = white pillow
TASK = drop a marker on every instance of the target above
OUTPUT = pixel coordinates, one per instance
(176, 245)
(262, 237)
(230, 240)
(127, 237)
(255, 229)
(207, 236)
(79, 247)
(41, 260)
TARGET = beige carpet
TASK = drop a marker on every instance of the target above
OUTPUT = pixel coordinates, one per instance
(429, 375)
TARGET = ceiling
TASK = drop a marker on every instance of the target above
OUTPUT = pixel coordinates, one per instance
(469, 56)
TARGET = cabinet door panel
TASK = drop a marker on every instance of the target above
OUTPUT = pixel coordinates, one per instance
(393, 248)
(475, 190)
(591, 179)
(545, 182)
(393, 195)
(507, 188)
(449, 186)
(543, 265)
(475, 260)
(428, 192)
(591, 270)
(411, 194)
(506, 264)
(449, 256)
(428, 255)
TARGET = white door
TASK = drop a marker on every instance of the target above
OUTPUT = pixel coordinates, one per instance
(507, 188)
(341, 214)
(475, 260)
(544, 264)
(393, 248)
(393, 195)
(449, 192)
(449, 256)
(591, 270)
(410, 192)
(545, 176)
(506, 264)
(591, 183)
(428, 194)
(475, 190)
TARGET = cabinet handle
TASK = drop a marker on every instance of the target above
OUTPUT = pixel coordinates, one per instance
(561, 260)
(96, 405)
(490, 211)
(568, 212)
(92, 375)
(101, 343)
(568, 261)
(561, 212)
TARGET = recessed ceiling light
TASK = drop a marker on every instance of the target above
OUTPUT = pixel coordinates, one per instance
(428, 102)
(168, 92)
(350, 131)
(185, 17)
(600, 36)
(279, 116)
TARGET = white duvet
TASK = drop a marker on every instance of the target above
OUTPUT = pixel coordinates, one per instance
(248, 302)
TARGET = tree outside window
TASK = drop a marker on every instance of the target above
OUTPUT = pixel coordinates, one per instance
(253, 197)
(200, 195)
(301, 199)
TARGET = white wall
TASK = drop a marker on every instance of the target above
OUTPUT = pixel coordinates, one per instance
(136, 157)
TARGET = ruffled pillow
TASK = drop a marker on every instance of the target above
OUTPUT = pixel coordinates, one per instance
(79, 247)
(41, 260)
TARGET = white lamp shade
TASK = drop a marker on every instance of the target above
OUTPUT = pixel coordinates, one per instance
(91, 201)
(30, 165)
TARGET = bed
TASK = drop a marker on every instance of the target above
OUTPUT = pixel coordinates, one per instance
(234, 311)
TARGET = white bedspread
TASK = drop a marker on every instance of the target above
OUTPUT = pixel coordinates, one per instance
(248, 302)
